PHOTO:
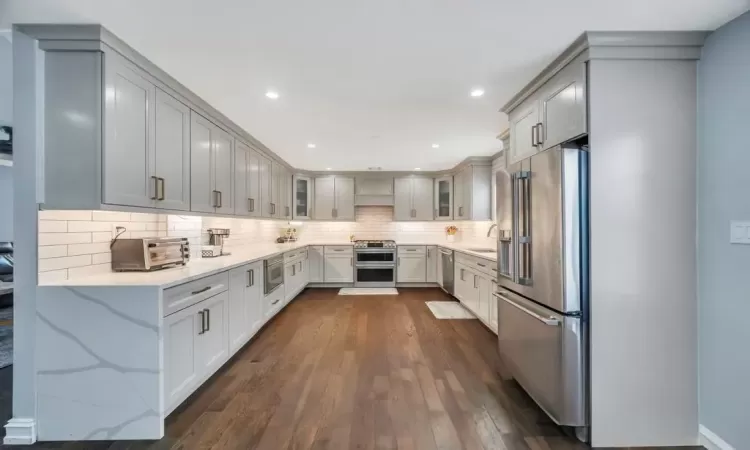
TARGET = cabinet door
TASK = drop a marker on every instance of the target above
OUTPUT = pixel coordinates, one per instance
(422, 198)
(493, 307)
(241, 196)
(467, 192)
(484, 289)
(433, 256)
(444, 198)
(254, 296)
(402, 206)
(181, 365)
(253, 192)
(128, 157)
(288, 195)
(266, 192)
(339, 269)
(471, 281)
(459, 210)
(315, 264)
(563, 106)
(290, 281)
(411, 269)
(302, 197)
(344, 198)
(213, 344)
(522, 123)
(172, 152)
(223, 146)
(201, 164)
(325, 200)
(461, 276)
(239, 329)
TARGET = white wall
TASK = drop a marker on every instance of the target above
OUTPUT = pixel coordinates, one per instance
(6, 116)
(723, 184)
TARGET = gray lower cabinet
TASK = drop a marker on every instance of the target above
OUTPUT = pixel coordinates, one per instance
(316, 264)
(413, 198)
(411, 265)
(339, 269)
(247, 198)
(334, 198)
(245, 304)
(211, 157)
(433, 259)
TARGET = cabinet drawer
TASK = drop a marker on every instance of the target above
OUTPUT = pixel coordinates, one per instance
(184, 295)
(481, 265)
(295, 255)
(405, 250)
(339, 250)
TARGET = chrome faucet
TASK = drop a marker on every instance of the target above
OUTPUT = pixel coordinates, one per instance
(494, 225)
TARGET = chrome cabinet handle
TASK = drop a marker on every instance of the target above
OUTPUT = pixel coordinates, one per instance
(533, 136)
(294, 270)
(351, 261)
(160, 182)
(428, 252)
(460, 211)
(461, 274)
(475, 281)
(249, 279)
(156, 188)
(287, 211)
(481, 265)
(399, 261)
(221, 199)
(300, 266)
(546, 320)
(250, 205)
(200, 291)
(277, 301)
(208, 319)
(203, 322)
(539, 134)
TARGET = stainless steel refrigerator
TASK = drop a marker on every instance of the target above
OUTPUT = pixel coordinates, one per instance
(543, 279)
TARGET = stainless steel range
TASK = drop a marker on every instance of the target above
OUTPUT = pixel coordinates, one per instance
(375, 263)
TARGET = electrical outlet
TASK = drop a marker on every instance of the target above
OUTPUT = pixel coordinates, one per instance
(116, 229)
(739, 232)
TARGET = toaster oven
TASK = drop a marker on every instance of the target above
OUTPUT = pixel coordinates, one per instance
(147, 254)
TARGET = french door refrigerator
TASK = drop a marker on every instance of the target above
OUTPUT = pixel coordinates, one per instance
(543, 236)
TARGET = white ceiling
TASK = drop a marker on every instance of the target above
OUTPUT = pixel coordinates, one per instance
(371, 83)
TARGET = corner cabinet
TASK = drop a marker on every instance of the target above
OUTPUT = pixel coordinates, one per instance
(334, 198)
(211, 154)
(413, 198)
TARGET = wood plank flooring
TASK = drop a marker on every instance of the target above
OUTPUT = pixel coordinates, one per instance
(359, 372)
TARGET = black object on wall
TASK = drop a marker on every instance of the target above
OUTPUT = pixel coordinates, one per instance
(6, 144)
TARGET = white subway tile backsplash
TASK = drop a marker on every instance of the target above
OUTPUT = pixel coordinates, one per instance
(64, 262)
(53, 251)
(88, 249)
(53, 226)
(100, 258)
(65, 215)
(110, 216)
(63, 238)
(105, 236)
(90, 226)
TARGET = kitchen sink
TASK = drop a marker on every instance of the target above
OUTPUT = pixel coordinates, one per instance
(482, 250)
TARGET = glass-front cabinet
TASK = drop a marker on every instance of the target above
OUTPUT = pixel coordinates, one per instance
(303, 195)
(444, 198)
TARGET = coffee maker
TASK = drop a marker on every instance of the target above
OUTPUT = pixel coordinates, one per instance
(215, 246)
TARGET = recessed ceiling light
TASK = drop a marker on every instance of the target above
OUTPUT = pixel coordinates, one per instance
(311, 145)
(477, 92)
(417, 168)
(328, 168)
(435, 145)
(272, 95)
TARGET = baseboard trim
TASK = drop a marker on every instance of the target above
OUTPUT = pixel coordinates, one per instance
(712, 441)
(20, 431)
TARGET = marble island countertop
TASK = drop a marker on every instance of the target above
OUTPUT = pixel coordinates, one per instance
(203, 267)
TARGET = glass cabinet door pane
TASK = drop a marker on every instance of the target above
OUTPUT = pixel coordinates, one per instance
(301, 200)
(444, 199)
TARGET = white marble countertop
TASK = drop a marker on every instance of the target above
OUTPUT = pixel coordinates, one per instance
(203, 267)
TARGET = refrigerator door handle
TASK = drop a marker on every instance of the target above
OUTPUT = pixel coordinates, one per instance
(551, 321)
(524, 229)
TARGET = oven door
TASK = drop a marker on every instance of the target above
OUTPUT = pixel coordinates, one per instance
(376, 256)
(375, 275)
(274, 276)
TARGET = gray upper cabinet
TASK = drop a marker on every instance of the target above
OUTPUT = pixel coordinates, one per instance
(563, 106)
(129, 157)
(443, 198)
(302, 197)
(211, 150)
(277, 203)
(523, 130)
(334, 198)
(266, 178)
(246, 181)
(172, 152)
(413, 198)
(472, 188)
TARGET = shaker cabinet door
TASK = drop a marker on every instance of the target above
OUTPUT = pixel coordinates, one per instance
(402, 206)
(181, 365)
(239, 329)
(241, 194)
(422, 198)
(339, 269)
(344, 192)
(315, 264)
(325, 200)
(563, 105)
(213, 344)
(128, 156)
(266, 181)
(254, 296)
(411, 269)
(202, 196)
(223, 148)
(522, 123)
(443, 198)
(172, 152)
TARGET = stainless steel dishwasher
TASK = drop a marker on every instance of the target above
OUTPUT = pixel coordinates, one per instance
(446, 262)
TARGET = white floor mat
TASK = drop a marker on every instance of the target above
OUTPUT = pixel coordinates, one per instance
(449, 310)
(368, 291)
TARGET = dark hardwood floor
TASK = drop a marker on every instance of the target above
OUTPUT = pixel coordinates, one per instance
(359, 372)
